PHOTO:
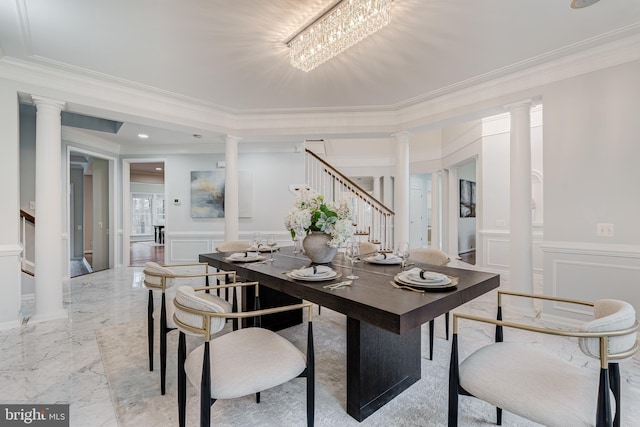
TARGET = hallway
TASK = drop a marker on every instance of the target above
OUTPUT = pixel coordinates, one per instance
(141, 252)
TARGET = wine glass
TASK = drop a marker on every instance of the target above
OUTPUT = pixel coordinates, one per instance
(272, 243)
(256, 240)
(403, 252)
(353, 253)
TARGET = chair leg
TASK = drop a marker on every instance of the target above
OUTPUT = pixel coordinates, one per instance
(205, 389)
(258, 397)
(499, 416)
(150, 327)
(603, 411)
(431, 328)
(163, 345)
(453, 383)
(311, 377)
(446, 324)
(182, 380)
(614, 384)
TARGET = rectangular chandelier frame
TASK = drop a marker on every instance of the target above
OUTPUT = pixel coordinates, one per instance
(336, 30)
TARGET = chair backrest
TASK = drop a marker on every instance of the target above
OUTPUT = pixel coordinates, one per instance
(368, 248)
(429, 256)
(610, 315)
(154, 274)
(192, 319)
(233, 245)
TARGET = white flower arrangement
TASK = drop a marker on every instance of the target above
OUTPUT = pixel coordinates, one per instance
(311, 213)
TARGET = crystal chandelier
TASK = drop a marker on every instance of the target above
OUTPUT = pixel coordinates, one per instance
(342, 26)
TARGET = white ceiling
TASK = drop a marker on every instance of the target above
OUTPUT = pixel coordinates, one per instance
(231, 53)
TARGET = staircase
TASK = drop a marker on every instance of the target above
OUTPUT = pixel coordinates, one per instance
(374, 219)
(27, 239)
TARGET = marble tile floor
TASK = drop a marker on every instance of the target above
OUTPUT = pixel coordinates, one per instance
(60, 362)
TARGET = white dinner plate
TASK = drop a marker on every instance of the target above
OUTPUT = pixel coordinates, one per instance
(429, 277)
(404, 278)
(392, 261)
(248, 258)
(315, 278)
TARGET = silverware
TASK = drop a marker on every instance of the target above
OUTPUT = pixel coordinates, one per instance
(395, 285)
(338, 285)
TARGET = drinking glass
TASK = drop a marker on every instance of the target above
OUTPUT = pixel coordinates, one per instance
(296, 245)
(353, 253)
(403, 252)
(272, 243)
(256, 240)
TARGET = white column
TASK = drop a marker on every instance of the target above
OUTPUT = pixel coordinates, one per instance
(48, 256)
(10, 247)
(435, 210)
(444, 217)
(231, 192)
(401, 188)
(520, 242)
(453, 213)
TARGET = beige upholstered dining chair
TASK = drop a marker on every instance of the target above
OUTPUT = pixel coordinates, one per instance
(368, 248)
(163, 279)
(239, 363)
(432, 256)
(233, 246)
(536, 383)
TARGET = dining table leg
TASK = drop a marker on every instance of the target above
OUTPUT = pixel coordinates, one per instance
(380, 366)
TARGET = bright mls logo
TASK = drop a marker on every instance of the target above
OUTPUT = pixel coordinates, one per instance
(34, 415)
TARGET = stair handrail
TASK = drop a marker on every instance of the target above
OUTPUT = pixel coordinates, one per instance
(374, 217)
(340, 175)
(27, 265)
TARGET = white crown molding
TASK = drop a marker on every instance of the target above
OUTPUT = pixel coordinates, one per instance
(491, 95)
(107, 94)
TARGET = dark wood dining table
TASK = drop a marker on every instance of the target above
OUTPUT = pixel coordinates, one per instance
(383, 322)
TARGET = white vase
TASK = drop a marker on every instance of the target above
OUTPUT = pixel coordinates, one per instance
(316, 248)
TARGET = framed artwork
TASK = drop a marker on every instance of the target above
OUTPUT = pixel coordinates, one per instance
(207, 194)
(467, 199)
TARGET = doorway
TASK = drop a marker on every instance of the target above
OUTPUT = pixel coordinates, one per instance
(147, 212)
(90, 212)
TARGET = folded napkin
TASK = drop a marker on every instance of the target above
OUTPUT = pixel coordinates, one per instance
(314, 271)
(419, 273)
(241, 255)
(386, 257)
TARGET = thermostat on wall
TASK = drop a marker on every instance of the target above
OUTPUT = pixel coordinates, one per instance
(176, 202)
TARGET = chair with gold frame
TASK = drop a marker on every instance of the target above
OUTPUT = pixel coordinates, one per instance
(436, 257)
(536, 383)
(163, 279)
(239, 363)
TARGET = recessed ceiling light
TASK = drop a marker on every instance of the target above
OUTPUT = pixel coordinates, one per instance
(143, 136)
(158, 169)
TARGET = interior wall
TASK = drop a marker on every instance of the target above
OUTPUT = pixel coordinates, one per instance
(100, 214)
(270, 175)
(591, 176)
(76, 178)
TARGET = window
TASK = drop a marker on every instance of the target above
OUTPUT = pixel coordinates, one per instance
(146, 210)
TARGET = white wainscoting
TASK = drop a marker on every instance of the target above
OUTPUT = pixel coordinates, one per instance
(187, 246)
(495, 250)
(589, 272)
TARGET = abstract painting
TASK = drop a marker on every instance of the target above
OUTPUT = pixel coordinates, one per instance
(207, 194)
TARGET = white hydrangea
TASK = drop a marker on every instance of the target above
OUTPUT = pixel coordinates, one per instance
(307, 203)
